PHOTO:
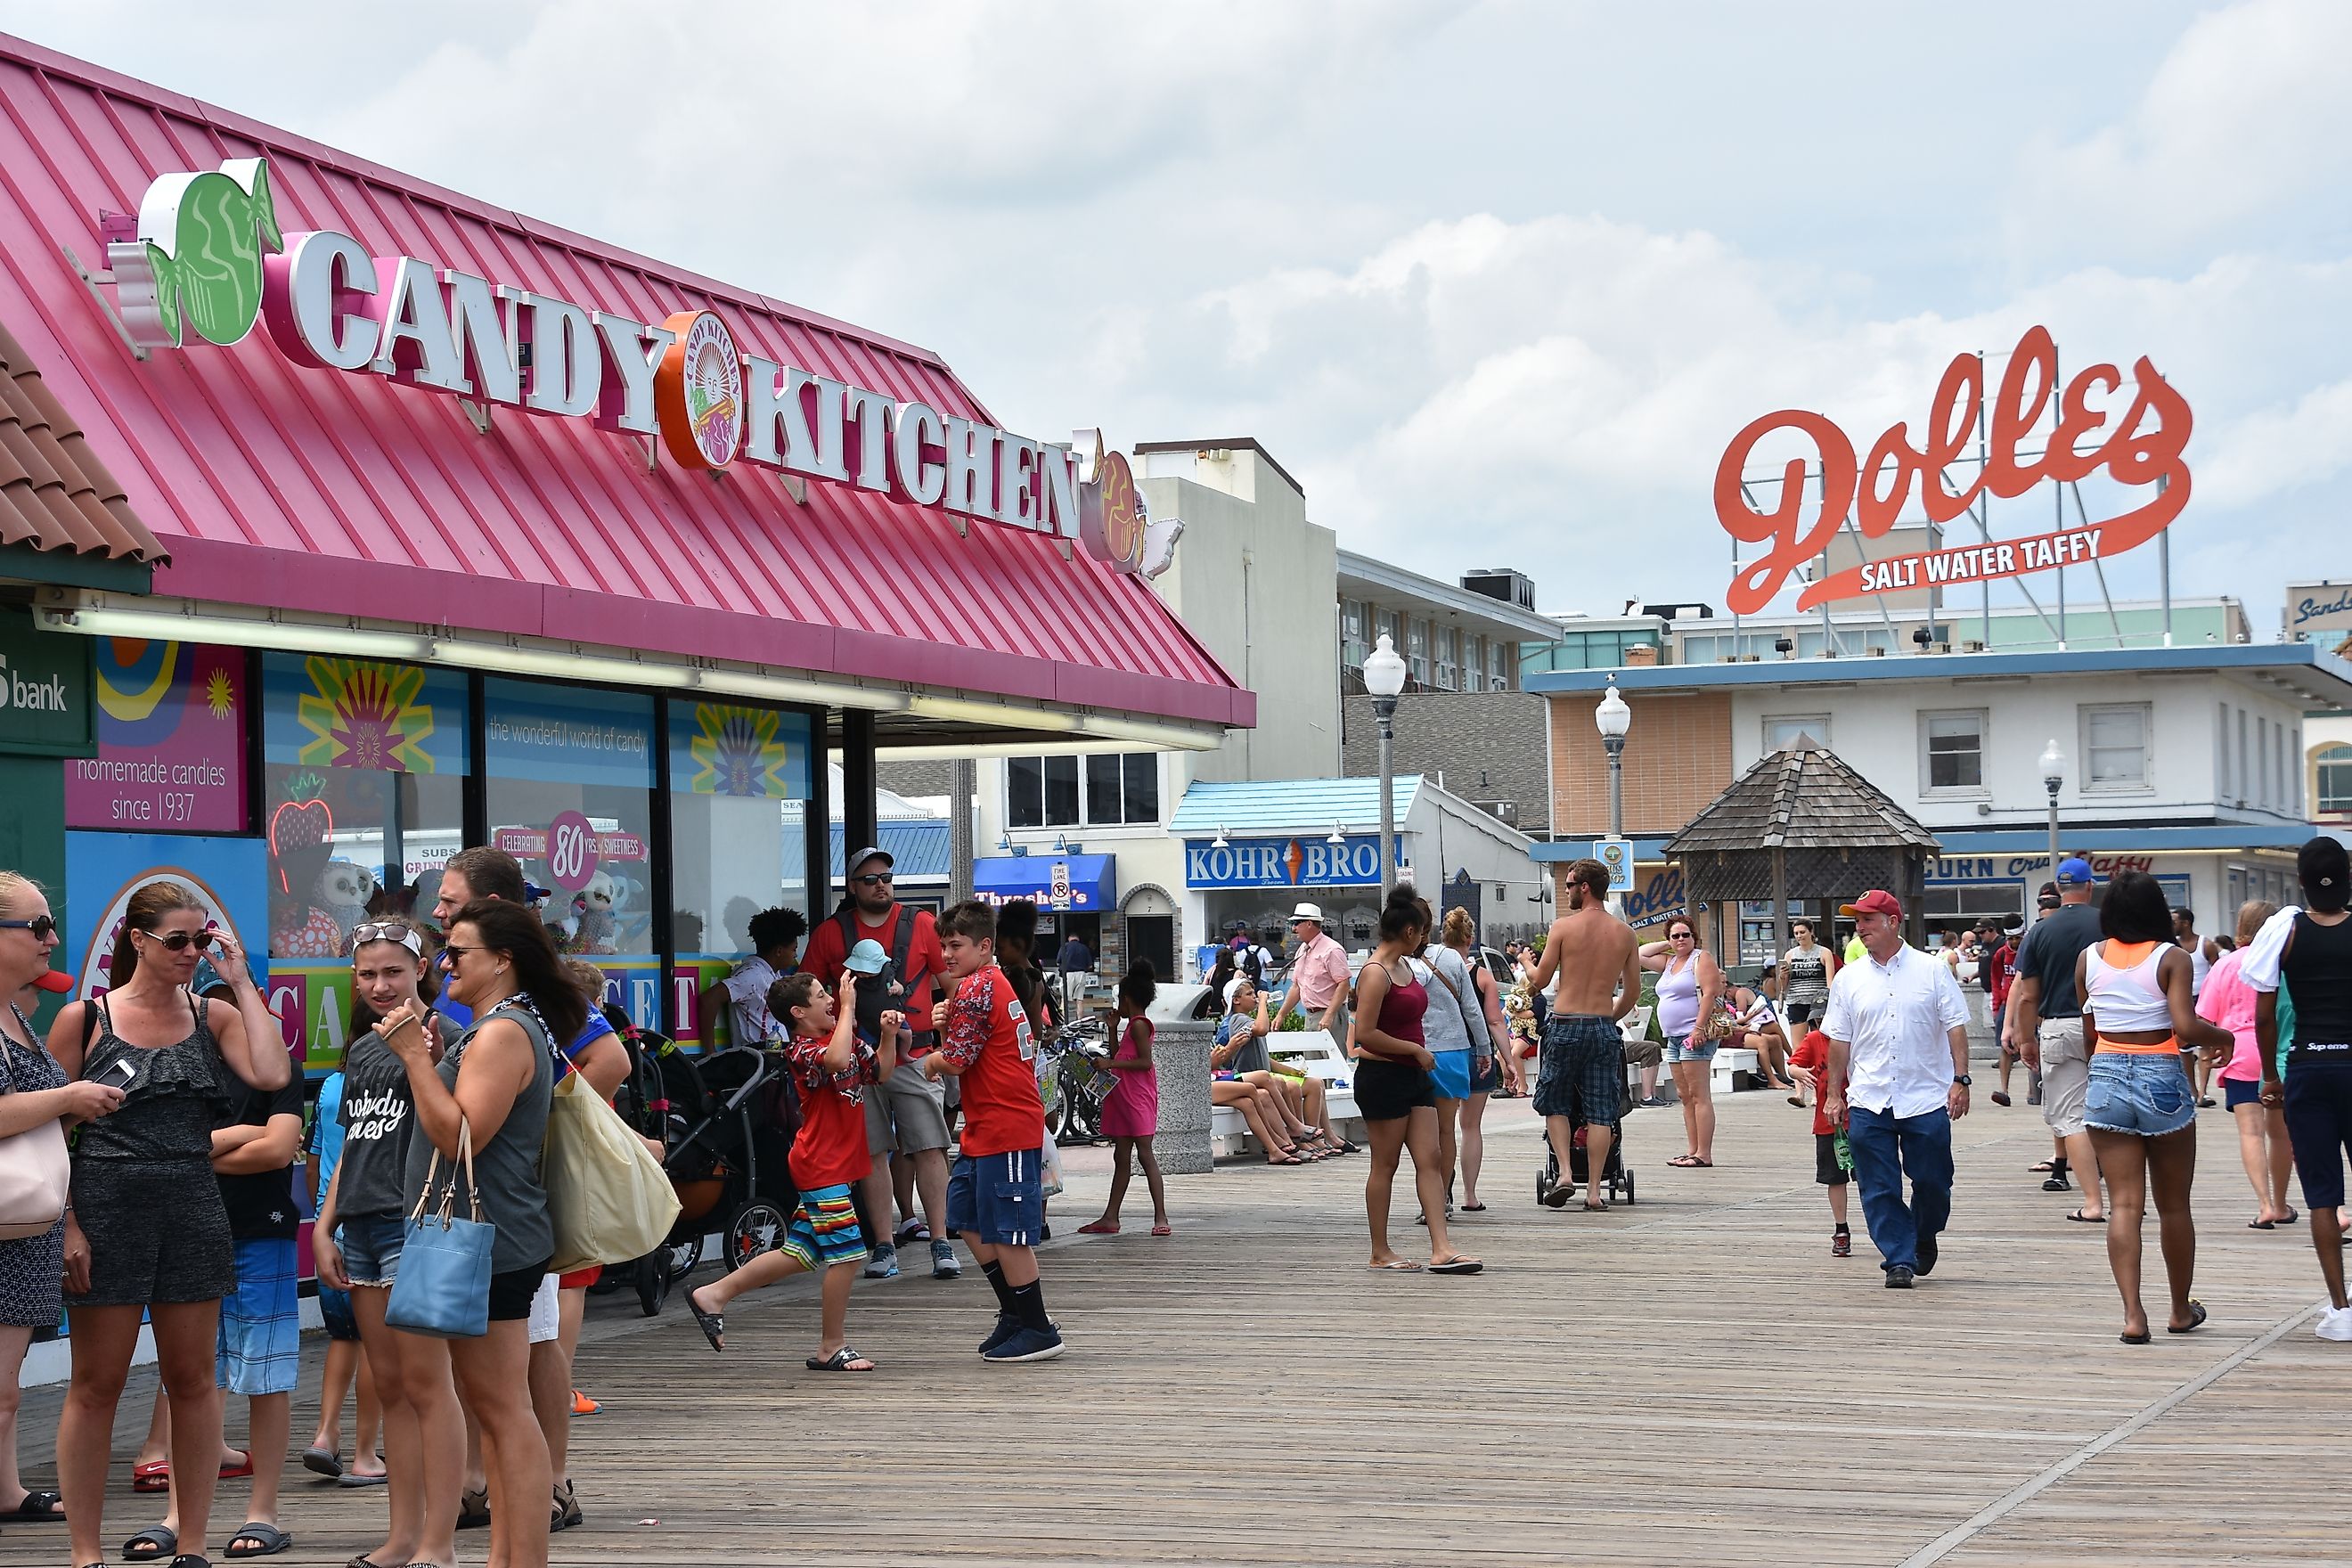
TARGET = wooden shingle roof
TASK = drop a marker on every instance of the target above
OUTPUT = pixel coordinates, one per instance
(54, 492)
(1801, 798)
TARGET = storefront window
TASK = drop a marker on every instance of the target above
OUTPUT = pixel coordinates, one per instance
(2336, 778)
(1123, 788)
(363, 781)
(733, 850)
(569, 779)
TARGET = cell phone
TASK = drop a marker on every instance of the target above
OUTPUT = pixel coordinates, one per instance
(123, 1069)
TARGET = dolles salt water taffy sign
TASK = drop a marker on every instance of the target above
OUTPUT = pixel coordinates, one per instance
(207, 259)
(2145, 448)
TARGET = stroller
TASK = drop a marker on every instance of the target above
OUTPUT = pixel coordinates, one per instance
(1613, 1174)
(725, 1121)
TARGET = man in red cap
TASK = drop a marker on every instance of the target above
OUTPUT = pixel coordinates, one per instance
(1898, 1031)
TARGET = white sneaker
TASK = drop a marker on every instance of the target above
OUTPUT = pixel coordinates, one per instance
(2336, 1324)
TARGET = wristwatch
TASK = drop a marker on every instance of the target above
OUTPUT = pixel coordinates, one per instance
(1962, 1080)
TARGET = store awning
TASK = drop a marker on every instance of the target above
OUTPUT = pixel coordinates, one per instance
(57, 499)
(309, 491)
(1094, 880)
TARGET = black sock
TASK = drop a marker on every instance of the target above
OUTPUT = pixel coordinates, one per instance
(1029, 1306)
(995, 1272)
(1841, 1229)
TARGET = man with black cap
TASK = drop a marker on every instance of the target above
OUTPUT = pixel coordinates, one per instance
(2049, 1012)
(906, 1111)
(1898, 1078)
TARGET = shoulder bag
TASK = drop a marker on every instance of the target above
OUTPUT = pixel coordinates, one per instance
(35, 1172)
(1474, 1032)
(607, 1197)
(443, 1288)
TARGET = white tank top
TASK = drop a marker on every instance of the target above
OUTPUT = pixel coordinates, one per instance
(2199, 966)
(2129, 1000)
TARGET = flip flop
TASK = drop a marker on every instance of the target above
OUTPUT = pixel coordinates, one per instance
(2079, 1217)
(2042, 1169)
(1457, 1265)
(2196, 1319)
(2262, 1225)
(712, 1324)
(1402, 1265)
(154, 1544)
(1163, 1230)
(1098, 1227)
(272, 1539)
(36, 1508)
(1474, 1208)
(1601, 1207)
(839, 1362)
(1684, 1162)
(2291, 1217)
(353, 1478)
(322, 1462)
(2139, 1339)
(240, 1470)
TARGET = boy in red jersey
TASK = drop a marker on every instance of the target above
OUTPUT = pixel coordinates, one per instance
(833, 1070)
(1810, 1065)
(986, 1045)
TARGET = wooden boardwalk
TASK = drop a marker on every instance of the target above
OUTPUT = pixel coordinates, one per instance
(1691, 1379)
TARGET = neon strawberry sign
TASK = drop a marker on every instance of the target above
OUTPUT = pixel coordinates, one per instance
(2144, 448)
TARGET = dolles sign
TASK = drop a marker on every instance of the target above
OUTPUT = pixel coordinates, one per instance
(207, 257)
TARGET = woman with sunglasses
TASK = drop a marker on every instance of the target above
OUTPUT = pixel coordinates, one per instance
(148, 1232)
(361, 1220)
(1690, 988)
(34, 1090)
(494, 1087)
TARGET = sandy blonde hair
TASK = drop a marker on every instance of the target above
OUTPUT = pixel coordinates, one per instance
(14, 885)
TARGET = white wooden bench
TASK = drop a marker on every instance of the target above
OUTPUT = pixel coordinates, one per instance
(1317, 1055)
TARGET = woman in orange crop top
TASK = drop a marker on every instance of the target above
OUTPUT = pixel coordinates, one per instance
(2139, 1012)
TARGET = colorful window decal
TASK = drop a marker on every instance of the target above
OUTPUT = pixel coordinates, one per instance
(719, 748)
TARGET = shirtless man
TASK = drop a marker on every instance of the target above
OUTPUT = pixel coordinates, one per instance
(1582, 1074)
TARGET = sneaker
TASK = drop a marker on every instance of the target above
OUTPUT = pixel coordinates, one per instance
(943, 1261)
(1928, 1252)
(2336, 1324)
(1027, 1345)
(1899, 1278)
(1007, 1325)
(884, 1264)
(1842, 1245)
(583, 1406)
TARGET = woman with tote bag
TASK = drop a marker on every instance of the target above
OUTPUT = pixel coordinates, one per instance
(480, 1121)
(35, 1103)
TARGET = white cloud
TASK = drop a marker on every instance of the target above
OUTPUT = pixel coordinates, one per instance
(2276, 450)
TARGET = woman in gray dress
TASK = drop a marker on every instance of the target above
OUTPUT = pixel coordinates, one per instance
(33, 1091)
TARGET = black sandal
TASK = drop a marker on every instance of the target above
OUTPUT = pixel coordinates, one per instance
(36, 1508)
(712, 1324)
(2196, 1319)
(272, 1539)
(839, 1362)
(156, 1544)
(474, 1510)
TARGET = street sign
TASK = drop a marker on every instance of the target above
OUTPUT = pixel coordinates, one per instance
(1060, 886)
(1617, 854)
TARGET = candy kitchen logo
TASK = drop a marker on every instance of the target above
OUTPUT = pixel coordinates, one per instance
(1113, 521)
(205, 258)
(2144, 448)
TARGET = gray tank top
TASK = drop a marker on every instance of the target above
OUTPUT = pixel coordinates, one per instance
(506, 1167)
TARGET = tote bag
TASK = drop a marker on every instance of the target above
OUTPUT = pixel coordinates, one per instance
(607, 1198)
(34, 1173)
(443, 1288)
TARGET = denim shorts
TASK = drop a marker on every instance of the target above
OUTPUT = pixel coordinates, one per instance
(1452, 1074)
(2138, 1092)
(1691, 1048)
(371, 1248)
(994, 1198)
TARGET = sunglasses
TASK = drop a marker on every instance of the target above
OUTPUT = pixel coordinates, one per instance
(388, 931)
(875, 879)
(451, 952)
(179, 941)
(42, 927)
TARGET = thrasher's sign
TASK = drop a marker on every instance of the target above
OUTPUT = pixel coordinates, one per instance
(2144, 448)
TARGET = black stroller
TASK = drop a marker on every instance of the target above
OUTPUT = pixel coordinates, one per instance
(725, 1121)
(1619, 1180)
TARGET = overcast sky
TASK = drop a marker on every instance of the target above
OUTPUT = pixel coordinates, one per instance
(1497, 282)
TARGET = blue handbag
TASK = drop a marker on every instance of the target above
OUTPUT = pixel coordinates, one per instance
(443, 1288)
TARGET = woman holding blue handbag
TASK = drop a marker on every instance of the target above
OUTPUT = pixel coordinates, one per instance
(480, 1119)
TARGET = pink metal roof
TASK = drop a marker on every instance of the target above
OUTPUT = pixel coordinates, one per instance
(317, 490)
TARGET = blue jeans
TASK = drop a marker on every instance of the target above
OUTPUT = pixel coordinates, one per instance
(1885, 1148)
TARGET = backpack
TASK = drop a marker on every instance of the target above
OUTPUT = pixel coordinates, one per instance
(890, 989)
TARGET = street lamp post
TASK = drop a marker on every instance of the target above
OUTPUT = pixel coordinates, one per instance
(1384, 679)
(1613, 718)
(2053, 774)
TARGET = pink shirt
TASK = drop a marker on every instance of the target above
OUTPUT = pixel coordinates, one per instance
(2228, 1000)
(1319, 974)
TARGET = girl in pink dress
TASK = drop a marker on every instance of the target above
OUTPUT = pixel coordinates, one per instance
(1131, 1111)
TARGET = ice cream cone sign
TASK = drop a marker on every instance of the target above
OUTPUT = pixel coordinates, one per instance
(1114, 524)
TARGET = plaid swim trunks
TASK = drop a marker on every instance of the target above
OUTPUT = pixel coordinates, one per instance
(823, 1230)
(1583, 1070)
(261, 1340)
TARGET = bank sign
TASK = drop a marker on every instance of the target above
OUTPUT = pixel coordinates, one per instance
(43, 688)
(205, 260)
(1301, 862)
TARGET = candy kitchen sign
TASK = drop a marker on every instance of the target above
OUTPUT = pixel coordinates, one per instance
(2143, 449)
(204, 259)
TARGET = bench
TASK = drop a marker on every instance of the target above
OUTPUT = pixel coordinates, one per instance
(1315, 1053)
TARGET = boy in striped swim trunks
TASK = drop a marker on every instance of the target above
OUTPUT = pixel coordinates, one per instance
(833, 1070)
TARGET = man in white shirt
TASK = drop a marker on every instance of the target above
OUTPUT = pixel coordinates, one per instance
(1898, 1031)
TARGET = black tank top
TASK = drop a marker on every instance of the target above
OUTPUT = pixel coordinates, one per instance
(2319, 974)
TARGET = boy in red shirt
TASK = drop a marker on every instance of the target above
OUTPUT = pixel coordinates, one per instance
(985, 1044)
(833, 1070)
(1810, 1064)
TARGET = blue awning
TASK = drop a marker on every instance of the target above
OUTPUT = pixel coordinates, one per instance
(1094, 880)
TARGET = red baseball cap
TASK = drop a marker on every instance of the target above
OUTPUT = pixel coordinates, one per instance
(1877, 901)
(54, 980)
